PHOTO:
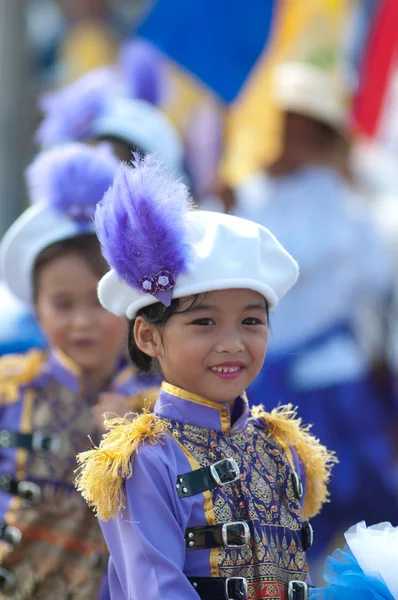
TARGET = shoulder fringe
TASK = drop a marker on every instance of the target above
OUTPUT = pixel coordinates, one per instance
(17, 370)
(102, 470)
(286, 428)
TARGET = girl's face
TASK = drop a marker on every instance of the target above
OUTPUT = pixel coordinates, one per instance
(214, 350)
(72, 318)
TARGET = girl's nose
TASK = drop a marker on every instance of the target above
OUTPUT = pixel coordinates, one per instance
(230, 342)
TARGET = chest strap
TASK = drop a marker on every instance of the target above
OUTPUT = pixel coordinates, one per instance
(227, 535)
(222, 472)
(28, 491)
(219, 588)
(29, 441)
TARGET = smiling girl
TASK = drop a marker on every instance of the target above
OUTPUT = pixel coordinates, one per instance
(200, 499)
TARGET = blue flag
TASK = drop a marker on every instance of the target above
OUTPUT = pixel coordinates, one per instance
(218, 41)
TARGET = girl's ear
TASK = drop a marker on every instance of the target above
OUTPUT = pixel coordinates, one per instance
(147, 337)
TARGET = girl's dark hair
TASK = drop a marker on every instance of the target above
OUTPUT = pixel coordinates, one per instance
(85, 245)
(155, 314)
(158, 314)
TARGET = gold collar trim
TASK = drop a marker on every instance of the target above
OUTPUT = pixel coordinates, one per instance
(180, 393)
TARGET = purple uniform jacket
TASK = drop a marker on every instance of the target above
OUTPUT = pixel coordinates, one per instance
(62, 553)
(151, 557)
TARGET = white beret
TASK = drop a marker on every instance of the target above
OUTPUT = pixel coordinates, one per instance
(310, 91)
(38, 227)
(141, 124)
(228, 252)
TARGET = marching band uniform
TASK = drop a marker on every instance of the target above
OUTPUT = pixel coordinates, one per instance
(198, 500)
(51, 544)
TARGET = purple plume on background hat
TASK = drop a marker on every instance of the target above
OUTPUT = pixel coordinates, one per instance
(72, 178)
(141, 226)
(143, 69)
(69, 112)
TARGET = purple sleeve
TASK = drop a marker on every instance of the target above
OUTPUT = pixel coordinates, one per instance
(146, 540)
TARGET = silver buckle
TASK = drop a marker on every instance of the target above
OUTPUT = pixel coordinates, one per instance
(233, 468)
(5, 438)
(54, 445)
(245, 534)
(12, 535)
(245, 587)
(29, 492)
(297, 590)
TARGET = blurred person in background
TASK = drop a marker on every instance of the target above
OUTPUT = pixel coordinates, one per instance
(118, 105)
(319, 357)
(52, 401)
(71, 37)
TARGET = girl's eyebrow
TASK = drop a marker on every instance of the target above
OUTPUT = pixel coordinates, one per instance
(257, 306)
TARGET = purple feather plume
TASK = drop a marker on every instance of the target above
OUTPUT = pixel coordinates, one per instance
(143, 69)
(141, 226)
(72, 178)
(69, 112)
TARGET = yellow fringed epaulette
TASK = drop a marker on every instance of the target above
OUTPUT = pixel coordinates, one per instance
(102, 470)
(17, 370)
(286, 428)
(145, 400)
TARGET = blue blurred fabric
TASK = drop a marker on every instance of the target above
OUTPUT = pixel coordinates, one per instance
(217, 41)
(347, 581)
(19, 330)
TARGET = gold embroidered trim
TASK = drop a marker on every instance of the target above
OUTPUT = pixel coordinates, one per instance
(180, 393)
(17, 370)
(67, 362)
(286, 428)
(102, 470)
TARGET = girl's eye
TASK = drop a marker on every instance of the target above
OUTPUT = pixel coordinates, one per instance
(62, 304)
(204, 322)
(252, 321)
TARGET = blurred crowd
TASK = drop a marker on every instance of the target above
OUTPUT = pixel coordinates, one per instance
(329, 196)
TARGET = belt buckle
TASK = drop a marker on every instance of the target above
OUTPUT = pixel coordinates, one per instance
(241, 588)
(51, 443)
(29, 492)
(245, 534)
(297, 590)
(12, 535)
(5, 438)
(8, 583)
(234, 470)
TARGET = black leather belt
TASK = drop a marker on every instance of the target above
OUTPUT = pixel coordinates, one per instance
(221, 473)
(229, 535)
(29, 441)
(26, 490)
(10, 534)
(8, 583)
(219, 588)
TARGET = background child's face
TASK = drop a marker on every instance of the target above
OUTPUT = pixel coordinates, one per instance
(72, 318)
(216, 349)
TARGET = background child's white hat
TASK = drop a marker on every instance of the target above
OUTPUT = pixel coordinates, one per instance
(308, 90)
(65, 185)
(142, 125)
(160, 248)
